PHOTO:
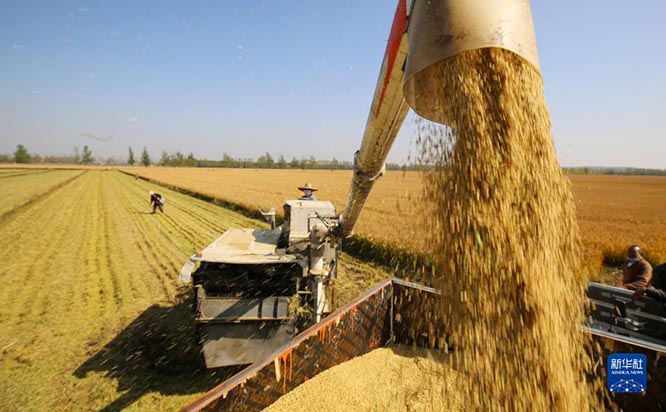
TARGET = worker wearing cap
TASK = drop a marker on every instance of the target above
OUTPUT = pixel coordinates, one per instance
(636, 271)
(308, 191)
(157, 201)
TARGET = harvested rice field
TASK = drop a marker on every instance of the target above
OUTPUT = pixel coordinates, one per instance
(92, 316)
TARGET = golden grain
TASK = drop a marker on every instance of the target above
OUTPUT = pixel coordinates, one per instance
(506, 239)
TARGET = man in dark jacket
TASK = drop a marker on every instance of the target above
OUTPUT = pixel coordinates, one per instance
(157, 201)
(658, 289)
(636, 271)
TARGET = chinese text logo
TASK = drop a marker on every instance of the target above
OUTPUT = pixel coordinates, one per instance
(626, 373)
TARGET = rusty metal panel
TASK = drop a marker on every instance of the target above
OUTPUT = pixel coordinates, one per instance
(350, 331)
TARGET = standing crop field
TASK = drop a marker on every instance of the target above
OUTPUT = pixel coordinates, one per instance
(617, 211)
(91, 315)
(613, 211)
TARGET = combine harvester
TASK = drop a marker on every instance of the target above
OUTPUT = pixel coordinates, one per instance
(263, 295)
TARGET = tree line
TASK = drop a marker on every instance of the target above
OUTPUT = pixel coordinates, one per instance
(614, 171)
(22, 156)
(178, 159)
(85, 156)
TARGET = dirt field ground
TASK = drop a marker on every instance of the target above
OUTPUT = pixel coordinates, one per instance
(613, 211)
(92, 317)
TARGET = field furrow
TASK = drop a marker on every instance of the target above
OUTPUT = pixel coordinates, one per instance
(5, 173)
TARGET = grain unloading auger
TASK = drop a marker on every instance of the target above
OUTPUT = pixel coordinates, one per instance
(424, 34)
(256, 289)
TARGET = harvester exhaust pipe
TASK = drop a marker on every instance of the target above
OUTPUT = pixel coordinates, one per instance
(425, 33)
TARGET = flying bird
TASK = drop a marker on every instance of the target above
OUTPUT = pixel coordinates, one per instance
(92, 136)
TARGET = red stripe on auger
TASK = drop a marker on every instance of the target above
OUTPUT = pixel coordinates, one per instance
(397, 30)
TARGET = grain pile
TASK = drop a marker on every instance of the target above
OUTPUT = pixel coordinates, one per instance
(505, 236)
(394, 379)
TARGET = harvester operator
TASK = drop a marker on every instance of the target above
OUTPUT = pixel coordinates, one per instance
(636, 271)
(308, 191)
(157, 201)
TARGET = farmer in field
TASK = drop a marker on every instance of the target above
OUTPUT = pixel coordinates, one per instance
(157, 201)
(636, 271)
(308, 191)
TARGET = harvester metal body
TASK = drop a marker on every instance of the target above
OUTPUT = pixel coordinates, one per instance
(256, 288)
(615, 315)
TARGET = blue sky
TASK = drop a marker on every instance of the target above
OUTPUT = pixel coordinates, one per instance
(297, 77)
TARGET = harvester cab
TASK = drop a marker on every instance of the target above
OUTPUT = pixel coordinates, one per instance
(256, 288)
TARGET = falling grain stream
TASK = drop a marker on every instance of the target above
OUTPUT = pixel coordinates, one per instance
(505, 238)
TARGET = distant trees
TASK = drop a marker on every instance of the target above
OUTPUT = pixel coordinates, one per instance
(164, 160)
(130, 157)
(178, 160)
(191, 161)
(228, 161)
(113, 161)
(265, 161)
(87, 157)
(281, 163)
(145, 157)
(21, 154)
(626, 171)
